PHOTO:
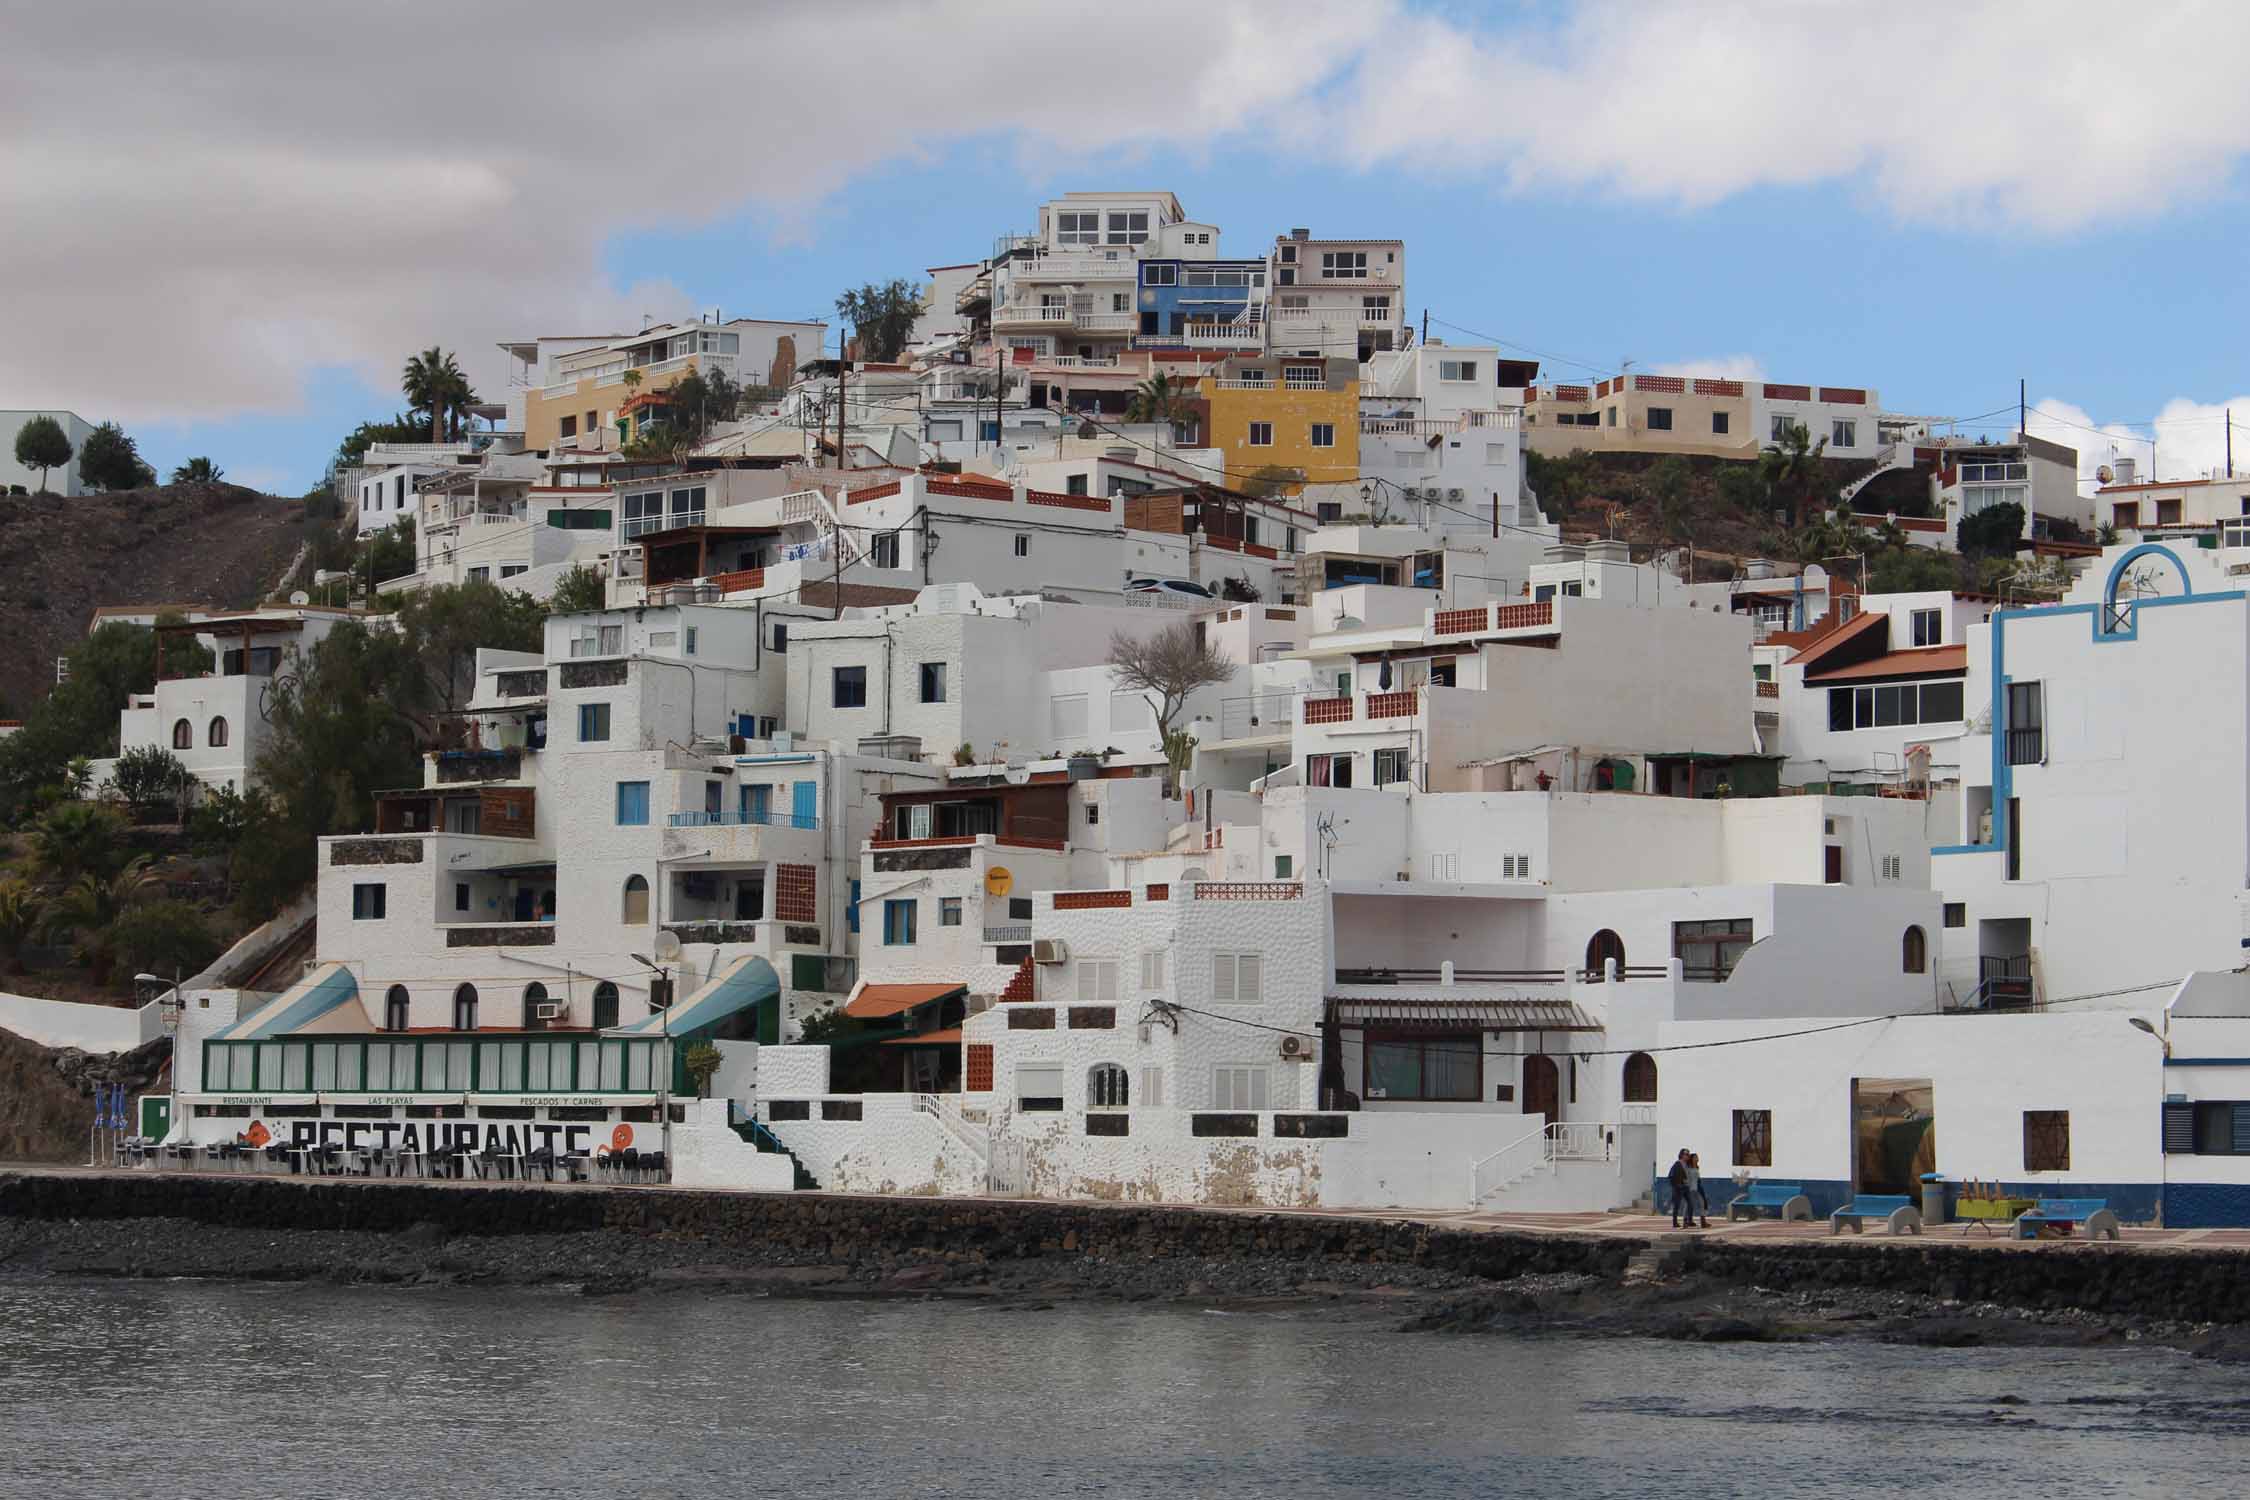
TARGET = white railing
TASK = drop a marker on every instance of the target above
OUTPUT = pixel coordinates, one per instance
(1243, 385)
(1582, 1140)
(1081, 361)
(802, 506)
(1106, 322)
(1636, 1114)
(1508, 1166)
(1404, 427)
(947, 1112)
(1018, 312)
(1220, 335)
(1504, 416)
(1121, 267)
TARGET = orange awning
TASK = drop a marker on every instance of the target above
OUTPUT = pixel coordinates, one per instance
(876, 1002)
(949, 1037)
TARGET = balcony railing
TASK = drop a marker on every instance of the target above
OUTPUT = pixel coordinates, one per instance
(1259, 716)
(643, 525)
(1017, 932)
(1222, 335)
(745, 816)
(1495, 617)
(1056, 314)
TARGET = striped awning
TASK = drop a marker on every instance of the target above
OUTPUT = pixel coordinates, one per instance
(742, 984)
(327, 988)
(1462, 1013)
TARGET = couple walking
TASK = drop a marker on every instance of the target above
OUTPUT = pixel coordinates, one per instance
(1688, 1197)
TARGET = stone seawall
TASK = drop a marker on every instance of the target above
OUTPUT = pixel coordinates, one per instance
(828, 1230)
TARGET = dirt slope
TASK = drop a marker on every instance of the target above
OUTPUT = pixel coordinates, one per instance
(170, 544)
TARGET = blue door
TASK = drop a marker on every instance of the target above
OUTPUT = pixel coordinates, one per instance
(804, 803)
(757, 803)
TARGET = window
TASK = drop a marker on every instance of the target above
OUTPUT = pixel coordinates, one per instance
(1093, 814)
(534, 1001)
(1078, 229)
(1515, 867)
(1097, 981)
(1640, 1079)
(216, 735)
(1457, 370)
(605, 1005)
(183, 735)
(1328, 770)
(1019, 908)
(1128, 228)
(1719, 423)
(464, 1015)
(898, 922)
(1344, 264)
(1894, 704)
(1107, 1087)
(1914, 952)
(1843, 434)
(882, 550)
(1236, 978)
(460, 895)
(632, 804)
(1284, 866)
(949, 911)
(1023, 544)
(1610, 414)
(2026, 724)
(690, 640)
(2207, 1128)
(395, 1008)
(635, 910)
(1424, 1067)
(1378, 310)
(1039, 1086)
(1956, 914)
(1391, 766)
(1164, 275)
(1304, 377)
(1929, 627)
(2046, 1140)
(1152, 969)
(849, 688)
(933, 682)
(593, 722)
(1753, 1137)
(1238, 1088)
(1075, 485)
(780, 636)
(480, 575)
(1603, 948)
(1891, 866)
(1261, 434)
(1660, 419)
(1708, 951)
(1324, 434)
(368, 902)
(1152, 1086)
(1781, 426)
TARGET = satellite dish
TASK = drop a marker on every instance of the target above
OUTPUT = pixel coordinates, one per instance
(2105, 474)
(1346, 622)
(998, 881)
(1017, 775)
(668, 946)
(300, 597)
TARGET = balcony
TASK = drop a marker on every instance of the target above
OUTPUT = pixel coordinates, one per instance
(716, 932)
(1032, 315)
(1496, 619)
(744, 817)
(1242, 335)
(498, 934)
(1261, 716)
(1119, 264)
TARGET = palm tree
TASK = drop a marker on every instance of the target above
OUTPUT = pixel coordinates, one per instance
(91, 906)
(198, 471)
(1159, 399)
(1791, 469)
(75, 839)
(21, 913)
(432, 381)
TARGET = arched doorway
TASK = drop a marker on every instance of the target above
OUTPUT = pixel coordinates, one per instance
(1604, 947)
(534, 1000)
(1640, 1079)
(1542, 1087)
(605, 1005)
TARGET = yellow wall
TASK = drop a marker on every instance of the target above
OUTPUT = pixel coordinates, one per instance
(1292, 413)
(542, 415)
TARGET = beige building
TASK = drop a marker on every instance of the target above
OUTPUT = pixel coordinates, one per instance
(1696, 414)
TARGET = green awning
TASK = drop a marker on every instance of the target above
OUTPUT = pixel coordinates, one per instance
(325, 989)
(744, 983)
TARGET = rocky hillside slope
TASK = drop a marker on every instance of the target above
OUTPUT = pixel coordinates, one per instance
(47, 1094)
(176, 543)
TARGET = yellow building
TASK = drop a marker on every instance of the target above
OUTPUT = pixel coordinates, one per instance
(587, 403)
(1275, 411)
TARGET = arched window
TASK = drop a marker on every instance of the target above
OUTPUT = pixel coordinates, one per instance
(216, 735)
(183, 735)
(394, 1008)
(1602, 948)
(1640, 1079)
(465, 1008)
(1107, 1087)
(605, 1005)
(1914, 952)
(534, 997)
(636, 901)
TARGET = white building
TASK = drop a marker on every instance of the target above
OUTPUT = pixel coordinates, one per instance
(62, 479)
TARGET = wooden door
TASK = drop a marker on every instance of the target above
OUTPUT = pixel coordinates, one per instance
(1542, 1088)
(1833, 871)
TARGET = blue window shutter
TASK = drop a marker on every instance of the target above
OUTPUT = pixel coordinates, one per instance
(804, 802)
(852, 917)
(2241, 1111)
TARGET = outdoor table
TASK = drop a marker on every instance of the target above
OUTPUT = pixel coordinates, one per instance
(402, 1156)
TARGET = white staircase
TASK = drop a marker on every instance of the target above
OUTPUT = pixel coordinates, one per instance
(1541, 1153)
(1891, 456)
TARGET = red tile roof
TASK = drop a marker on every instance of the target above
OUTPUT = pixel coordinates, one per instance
(875, 1002)
(1919, 662)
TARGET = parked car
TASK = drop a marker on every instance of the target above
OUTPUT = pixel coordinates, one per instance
(1168, 586)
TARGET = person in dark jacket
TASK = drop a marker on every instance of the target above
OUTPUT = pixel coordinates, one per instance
(1677, 1180)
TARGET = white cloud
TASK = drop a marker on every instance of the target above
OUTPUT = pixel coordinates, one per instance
(221, 198)
(1717, 367)
(2186, 440)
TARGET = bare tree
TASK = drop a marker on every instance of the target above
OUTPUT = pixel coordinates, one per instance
(1165, 668)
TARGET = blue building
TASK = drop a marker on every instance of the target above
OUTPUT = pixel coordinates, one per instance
(1177, 297)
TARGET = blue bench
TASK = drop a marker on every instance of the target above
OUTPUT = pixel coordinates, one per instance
(1786, 1199)
(1896, 1210)
(2093, 1213)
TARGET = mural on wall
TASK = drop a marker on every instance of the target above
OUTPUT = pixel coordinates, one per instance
(510, 1137)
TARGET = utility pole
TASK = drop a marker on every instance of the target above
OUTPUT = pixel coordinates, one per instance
(1425, 327)
(2230, 442)
(2021, 430)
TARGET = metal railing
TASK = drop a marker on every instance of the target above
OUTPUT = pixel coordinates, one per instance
(1509, 1165)
(1258, 716)
(1582, 1140)
(1016, 932)
(946, 1110)
(744, 816)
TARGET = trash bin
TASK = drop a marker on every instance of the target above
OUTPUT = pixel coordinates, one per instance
(1933, 1198)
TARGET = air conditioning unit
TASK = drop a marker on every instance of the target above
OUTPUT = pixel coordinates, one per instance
(1050, 951)
(1456, 496)
(1297, 1048)
(553, 1010)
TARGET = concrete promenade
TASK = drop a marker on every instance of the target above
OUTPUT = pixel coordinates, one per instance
(1626, 1226)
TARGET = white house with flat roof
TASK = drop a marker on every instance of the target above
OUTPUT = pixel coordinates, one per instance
(63, 478)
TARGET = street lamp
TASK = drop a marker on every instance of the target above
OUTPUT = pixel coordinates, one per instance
(2138, 1024)
(172, 1009)
(664, 1075)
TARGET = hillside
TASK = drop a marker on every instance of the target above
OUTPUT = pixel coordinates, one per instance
(174, 543)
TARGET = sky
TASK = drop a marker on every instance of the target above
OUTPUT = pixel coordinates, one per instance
(231, 223)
